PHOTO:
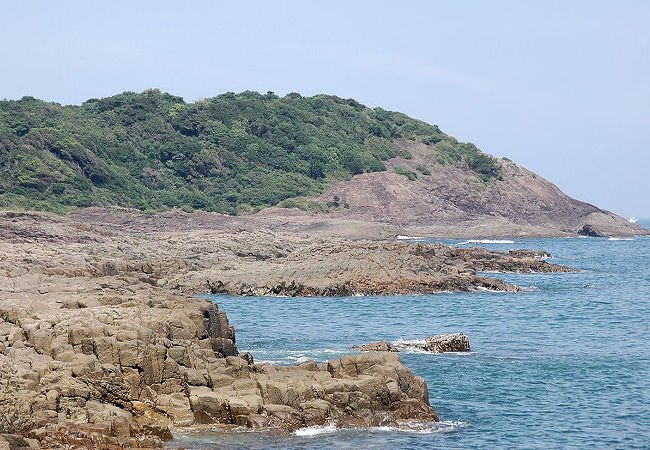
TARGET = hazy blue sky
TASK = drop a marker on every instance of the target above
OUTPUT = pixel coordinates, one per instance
(562, 88)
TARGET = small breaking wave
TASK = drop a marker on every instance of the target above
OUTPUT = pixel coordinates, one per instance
(620, 239)
(315, 430)
(410, 345)
(407, 427)
(425, 428)
(484, 289)
(486, 241)
(409, 238)
(409, 342)
(291, 357)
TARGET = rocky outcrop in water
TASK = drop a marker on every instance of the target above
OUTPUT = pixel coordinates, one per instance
(453, 342)
(591, 231)
(365, 390)
(440, 343)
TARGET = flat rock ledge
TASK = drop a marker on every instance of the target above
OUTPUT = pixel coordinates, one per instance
(441, 343)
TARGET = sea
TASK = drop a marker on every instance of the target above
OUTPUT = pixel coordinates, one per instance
(564, 365)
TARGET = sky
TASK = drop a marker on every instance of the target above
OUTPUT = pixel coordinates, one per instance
(562, 88)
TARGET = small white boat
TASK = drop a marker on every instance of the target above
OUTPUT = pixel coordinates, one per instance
(633, 220)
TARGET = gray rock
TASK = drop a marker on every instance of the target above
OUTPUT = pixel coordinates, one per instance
(380, 346)
(454, 342)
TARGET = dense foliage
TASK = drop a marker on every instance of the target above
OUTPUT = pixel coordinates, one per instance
(234, 153)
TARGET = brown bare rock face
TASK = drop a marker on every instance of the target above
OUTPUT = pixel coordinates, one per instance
(452, 202)
(102, 343)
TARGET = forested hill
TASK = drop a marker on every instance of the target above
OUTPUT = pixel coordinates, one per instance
(235, 153)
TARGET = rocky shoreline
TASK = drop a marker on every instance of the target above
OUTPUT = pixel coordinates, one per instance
(102, 342)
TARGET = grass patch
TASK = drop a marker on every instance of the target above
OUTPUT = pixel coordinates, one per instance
(406, 172)
(305, 205)
(424, 170)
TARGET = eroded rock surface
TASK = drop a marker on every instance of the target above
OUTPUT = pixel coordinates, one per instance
(262, 263)
(102, 342)
(100, 346)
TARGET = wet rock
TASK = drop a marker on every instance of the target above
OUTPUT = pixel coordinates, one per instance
(380, 346)
(525, 253)
(454, 342)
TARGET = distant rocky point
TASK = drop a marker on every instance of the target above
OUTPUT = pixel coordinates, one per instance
(289, 163)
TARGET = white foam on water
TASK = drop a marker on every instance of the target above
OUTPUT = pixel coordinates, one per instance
(529, 288)
(409, 238)
(401, 341)
(619, 239)
(290, 357)
(406, 345)
(315, 430)
(273, 362)
(423, 428)
(486, 241)
(484, 289)
(407, 427)
(301, 359)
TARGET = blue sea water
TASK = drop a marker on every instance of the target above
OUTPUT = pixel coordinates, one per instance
(564, 365)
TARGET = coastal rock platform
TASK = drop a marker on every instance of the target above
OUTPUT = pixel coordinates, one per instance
(102, 342)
